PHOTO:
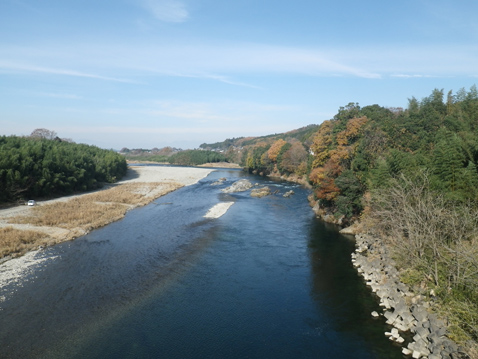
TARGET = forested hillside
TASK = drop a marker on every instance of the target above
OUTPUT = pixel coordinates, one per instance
(365, 148)
(409, 176)
(32, 167)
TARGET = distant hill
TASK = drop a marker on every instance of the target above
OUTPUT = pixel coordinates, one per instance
(302, 134)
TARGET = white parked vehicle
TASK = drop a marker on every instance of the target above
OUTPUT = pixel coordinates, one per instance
(31, 202)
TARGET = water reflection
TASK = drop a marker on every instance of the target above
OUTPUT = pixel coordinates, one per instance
(337, 286)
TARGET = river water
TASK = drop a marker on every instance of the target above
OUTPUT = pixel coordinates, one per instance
(266, 280)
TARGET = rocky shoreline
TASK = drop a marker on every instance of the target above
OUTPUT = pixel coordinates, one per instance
(405, 311)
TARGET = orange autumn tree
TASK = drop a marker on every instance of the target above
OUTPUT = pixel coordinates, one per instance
(347, 141)
(324, 179)
(352, 131)
(333, 154)
(321, 144)
(294, 160)
(275, 149)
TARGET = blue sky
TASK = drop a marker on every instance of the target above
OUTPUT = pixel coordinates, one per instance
(155, 73)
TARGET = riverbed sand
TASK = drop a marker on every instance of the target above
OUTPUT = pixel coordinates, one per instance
(141, 185)
(184, 175)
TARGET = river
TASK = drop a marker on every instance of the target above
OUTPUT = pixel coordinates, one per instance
(265, 280)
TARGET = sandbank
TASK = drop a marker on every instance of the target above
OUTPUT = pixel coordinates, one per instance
(218, 210)
(146, 182)
(140, 186)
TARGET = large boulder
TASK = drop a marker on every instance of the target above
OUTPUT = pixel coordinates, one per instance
(260, 192)
(238, 186)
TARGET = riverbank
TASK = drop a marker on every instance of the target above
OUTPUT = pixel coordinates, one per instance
(208, 165)
(24, 228)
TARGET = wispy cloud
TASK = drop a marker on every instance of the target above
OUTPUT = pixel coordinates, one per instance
(230, 62)
(207, 76)
(195, 114)
(221, 62)
(167, 10)
(60, 95)
(410, 76)
(56, 71)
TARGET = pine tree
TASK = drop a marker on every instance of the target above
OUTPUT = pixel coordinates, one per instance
(448, 159)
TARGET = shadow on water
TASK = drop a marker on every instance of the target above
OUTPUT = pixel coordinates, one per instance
(337, 286)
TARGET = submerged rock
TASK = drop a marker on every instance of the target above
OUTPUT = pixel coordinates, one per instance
(289, 193)
(219, 181)
(238, 186)
(260, 192)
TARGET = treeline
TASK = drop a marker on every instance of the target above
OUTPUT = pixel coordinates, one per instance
(224, 145)
(37, 167)
(196, 157)
(174, 156)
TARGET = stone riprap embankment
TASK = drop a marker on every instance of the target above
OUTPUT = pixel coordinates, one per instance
(404, 311)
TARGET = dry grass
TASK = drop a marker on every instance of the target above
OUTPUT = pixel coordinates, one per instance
(16, 242)
(472, 350)
(78, 215)
(96, 209)
(77, 212)
(136, 194)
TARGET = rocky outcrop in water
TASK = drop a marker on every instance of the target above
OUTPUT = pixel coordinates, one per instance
(289, 193)
(238, 186)
(403, 310)
(261, 192)
(219, 181)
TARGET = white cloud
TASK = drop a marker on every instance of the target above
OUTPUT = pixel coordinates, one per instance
(167, 10)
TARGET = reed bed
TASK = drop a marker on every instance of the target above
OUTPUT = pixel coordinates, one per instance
(16, 242)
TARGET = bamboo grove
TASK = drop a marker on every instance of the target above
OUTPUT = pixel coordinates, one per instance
(38, 167)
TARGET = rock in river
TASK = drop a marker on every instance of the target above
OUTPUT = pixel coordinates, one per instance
(238, 186)
(260, 192)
